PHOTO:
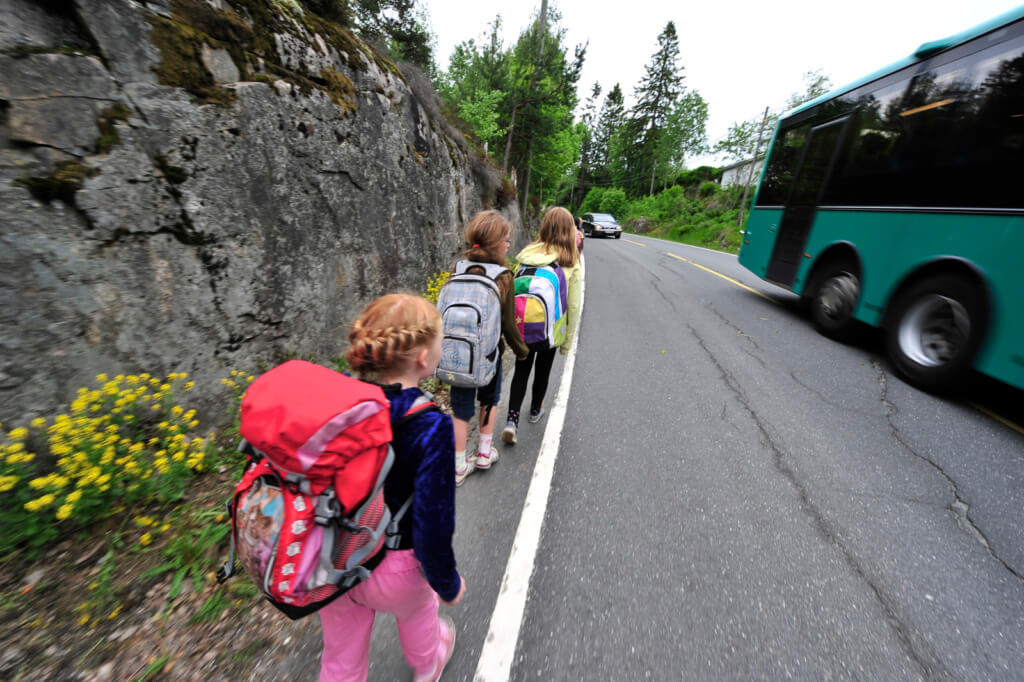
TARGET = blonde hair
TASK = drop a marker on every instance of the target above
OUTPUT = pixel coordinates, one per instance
(558, 230)
(391, 331)
(484, 235)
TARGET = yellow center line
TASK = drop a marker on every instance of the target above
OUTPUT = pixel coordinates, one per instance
(725, 277)
(632, 242)
(1002, 420)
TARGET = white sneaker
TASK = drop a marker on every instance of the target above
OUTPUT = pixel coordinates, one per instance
(463, 469)
(509, 434)
(485, 460)
(535, 416)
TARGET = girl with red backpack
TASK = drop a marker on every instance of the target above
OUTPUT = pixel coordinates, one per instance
(397, 341)
(556, 242)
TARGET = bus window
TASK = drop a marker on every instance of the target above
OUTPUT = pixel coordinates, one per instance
(864, 174)
(778, 178)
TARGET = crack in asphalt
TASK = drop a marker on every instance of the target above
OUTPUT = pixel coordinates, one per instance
(824, 399)
(746, 337)
(912, 650)
(959, 508)
(662, 294)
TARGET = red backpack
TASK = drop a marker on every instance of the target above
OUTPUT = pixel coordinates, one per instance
(308, 518)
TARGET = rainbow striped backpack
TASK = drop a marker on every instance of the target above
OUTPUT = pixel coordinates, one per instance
(541, 301)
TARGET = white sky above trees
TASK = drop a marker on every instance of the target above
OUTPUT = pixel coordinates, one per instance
(740, 56)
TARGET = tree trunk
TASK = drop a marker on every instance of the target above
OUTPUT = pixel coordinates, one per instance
(508, 143)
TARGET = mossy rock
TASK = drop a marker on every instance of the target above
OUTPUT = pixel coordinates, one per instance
(66, 179)
(340, 89)
(181, 62)
(106, 123)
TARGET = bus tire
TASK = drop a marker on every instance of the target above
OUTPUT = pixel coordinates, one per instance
(933, 330)
(833, 296)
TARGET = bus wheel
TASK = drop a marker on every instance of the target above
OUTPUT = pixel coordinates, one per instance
(934, 329)
(833, 296)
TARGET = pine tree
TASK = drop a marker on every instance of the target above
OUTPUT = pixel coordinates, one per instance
(609, 121)
(656, 96)
(587, 126)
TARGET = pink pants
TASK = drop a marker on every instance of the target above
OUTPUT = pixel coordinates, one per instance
(396, 586)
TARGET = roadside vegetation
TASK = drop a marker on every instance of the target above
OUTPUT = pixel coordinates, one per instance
(696, 211)
(114, 528)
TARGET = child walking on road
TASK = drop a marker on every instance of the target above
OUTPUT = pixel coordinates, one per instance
(488, 236)
(397, 338)
(556, 242)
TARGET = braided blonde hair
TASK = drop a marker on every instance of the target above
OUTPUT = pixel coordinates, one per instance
(391, 331)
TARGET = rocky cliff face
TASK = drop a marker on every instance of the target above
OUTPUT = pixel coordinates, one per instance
(192, 186)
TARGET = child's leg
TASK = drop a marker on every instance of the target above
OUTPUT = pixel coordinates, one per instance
(397, 586)
(346, 629)
(463, 404)
(489, 396)
(545, 359)
(518, 389)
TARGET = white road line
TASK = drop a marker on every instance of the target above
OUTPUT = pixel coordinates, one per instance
(499, 648)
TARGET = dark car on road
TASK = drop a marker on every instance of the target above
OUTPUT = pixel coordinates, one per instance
(601, 225)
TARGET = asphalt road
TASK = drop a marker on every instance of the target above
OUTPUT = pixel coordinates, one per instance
(737, 497)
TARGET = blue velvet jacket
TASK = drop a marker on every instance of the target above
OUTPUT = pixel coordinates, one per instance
(425, 468)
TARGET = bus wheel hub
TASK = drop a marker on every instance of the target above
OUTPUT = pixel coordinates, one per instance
(934, 330)
(839, 295)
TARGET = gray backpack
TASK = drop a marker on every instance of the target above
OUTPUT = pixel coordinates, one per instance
(470, 306)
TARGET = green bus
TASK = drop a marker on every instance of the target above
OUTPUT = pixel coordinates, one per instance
(898, 201)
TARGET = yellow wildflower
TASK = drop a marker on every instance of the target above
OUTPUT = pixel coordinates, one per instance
(83, 619)
(7, 482)
(65, 511)
(101, 378)
(20, 433)
(145, 539)
(189, 385)
(115, 612)
(74, 496)
(177, 410)
(40, 502)
(144, 521)
(39, 423)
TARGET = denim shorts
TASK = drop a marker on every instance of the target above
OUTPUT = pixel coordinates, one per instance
(462, 398)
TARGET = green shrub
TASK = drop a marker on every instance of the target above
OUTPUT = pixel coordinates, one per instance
(708, 188)
(592, 202)
(614, 201)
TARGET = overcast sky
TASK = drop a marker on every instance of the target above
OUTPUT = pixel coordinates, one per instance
(741, 56)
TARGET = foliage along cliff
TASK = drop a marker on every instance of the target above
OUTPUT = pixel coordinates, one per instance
(195, 186)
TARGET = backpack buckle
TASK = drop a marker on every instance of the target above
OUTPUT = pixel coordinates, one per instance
(327, 507)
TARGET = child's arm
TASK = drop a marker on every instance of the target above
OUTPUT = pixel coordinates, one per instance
(509, 328)
(574, 309)
(433, 509)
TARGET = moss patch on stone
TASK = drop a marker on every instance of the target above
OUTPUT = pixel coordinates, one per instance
(106, 123)
(174, 174)
(66, 179)
(181, 62)
(340, 89)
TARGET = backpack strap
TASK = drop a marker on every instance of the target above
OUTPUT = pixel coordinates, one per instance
(424, 403)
